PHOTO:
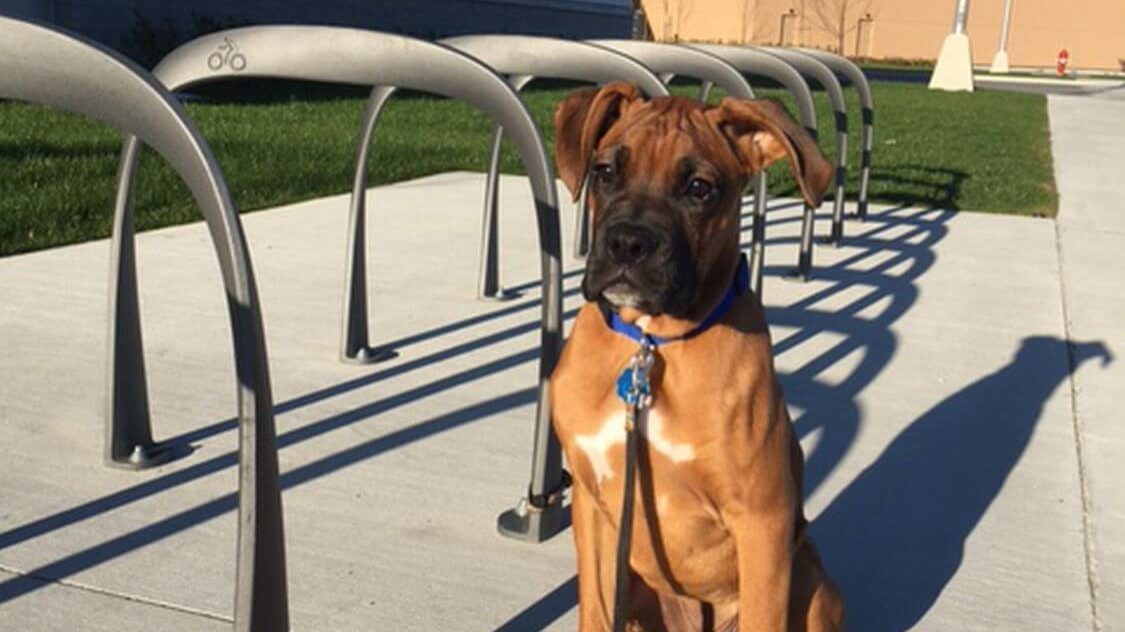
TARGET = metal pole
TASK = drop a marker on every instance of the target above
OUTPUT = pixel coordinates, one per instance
(355, 345)
(758, 238)
(583, 233)
(1005, 25)
(489, 284)
(1000, 61)
(960, 16)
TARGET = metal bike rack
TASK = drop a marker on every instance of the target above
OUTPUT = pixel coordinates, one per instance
(524, 58)
(47, 66)
(668, 61)
(852, 73)
(822, 74)
(353, 56)
(753, 62)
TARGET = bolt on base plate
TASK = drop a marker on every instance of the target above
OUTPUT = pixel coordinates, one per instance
(147, 455)
(500, 295)
(370, 355)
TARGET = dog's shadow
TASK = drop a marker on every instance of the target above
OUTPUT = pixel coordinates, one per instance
(894, 537)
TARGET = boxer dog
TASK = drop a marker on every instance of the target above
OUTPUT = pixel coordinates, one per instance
(719, 541)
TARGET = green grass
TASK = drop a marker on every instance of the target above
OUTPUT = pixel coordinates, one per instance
(987, 151)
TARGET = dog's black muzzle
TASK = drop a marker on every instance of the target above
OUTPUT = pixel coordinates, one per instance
(642, 261)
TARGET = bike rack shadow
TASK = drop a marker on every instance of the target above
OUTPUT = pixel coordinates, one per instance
(352, 56)
(51, 67)
(945, 185)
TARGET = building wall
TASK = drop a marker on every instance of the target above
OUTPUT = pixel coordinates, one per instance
(1093, 31)
(110, 21)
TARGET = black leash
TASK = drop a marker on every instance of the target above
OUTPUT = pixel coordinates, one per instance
(634, 389)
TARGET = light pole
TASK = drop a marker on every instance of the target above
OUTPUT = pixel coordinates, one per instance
(954, 68)
(1000, 61)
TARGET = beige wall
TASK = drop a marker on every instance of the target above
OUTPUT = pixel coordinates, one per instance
(1092, 30)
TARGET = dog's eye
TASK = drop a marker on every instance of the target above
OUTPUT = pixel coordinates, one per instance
(603, 173)
(700, 189)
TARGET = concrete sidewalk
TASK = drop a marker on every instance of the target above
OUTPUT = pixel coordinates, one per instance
(927, 366)
(1088, 143)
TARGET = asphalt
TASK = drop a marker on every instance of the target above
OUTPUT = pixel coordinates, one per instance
(949, 374)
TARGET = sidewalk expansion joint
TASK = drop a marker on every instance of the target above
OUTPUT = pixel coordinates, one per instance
(117, 595)
(1079, 447)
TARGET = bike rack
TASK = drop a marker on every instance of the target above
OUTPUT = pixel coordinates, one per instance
(524, 58)
(668, 61)
(852, 73)
(343, 55)
(753, 62)
(45, 65)
(809, 67)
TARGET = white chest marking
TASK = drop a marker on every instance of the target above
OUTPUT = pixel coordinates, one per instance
(612, 432)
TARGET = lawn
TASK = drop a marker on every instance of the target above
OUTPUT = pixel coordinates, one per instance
(988, 151)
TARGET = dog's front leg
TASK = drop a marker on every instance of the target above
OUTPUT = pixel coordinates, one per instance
(764, 544)
(594, 541)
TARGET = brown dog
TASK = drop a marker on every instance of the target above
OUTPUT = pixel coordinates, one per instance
(719, 539)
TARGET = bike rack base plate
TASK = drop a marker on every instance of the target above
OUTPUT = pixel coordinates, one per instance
(520, 523)
(147, 455)
(370, 355)
(499, 296)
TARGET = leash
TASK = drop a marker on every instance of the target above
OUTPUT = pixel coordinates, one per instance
(633, 388)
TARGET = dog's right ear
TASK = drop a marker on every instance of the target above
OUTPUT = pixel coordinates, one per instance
(581, 120)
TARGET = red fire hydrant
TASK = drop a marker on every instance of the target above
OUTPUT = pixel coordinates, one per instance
(1061, 62)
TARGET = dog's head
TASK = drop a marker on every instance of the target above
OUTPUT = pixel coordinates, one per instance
(666, 182)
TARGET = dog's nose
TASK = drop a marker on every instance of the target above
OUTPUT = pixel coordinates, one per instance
(630, 244)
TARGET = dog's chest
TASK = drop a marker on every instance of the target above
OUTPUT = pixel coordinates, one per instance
(680, 541)
(609, 438)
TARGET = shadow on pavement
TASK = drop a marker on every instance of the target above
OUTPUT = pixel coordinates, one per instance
(878, 521)
(894, 537)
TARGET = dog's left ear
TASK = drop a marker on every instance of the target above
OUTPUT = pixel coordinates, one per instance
(762, 132)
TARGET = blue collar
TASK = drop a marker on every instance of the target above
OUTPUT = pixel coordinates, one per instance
(740, 285)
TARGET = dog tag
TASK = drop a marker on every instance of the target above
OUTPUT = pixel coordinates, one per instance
(625, 390)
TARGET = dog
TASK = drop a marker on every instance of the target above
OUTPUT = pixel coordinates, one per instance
(719, 541)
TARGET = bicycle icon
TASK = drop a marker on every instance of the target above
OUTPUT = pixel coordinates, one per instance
(227, 55)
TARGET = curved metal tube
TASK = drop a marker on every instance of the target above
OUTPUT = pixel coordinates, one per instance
(344, 55)
(43, 65)
(528, 57)
(557, 58)
(845, 67)
(755, 62)
(822, 74)
(668, 61)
